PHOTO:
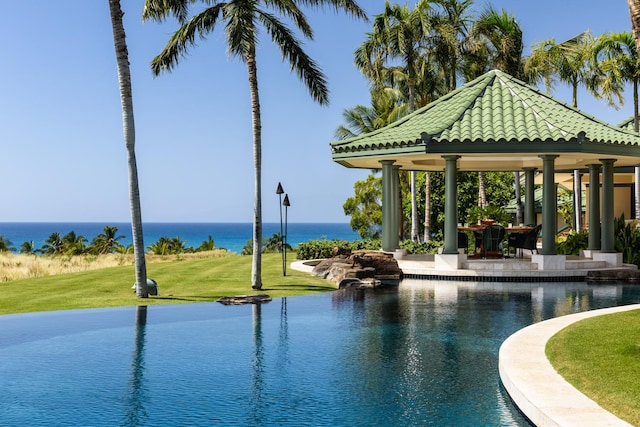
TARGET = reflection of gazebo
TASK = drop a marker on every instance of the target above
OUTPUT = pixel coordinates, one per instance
(498, 123)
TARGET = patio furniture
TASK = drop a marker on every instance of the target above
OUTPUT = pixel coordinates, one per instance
(463, 241)
(524, 240)
(492, 240)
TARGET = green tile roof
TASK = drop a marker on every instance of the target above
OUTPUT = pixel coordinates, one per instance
(495, 113)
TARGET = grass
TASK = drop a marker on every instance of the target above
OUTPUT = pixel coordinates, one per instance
(185, 280)
(600, 356)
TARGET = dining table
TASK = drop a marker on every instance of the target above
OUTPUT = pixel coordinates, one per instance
(478, 229)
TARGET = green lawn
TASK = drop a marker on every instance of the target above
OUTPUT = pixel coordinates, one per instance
(600, 356)
(184, 281)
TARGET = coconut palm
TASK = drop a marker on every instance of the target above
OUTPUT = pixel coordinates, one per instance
(53, 245)
(73, 244)
(616, 55)
(449, 21)
(634, 12)
(28, 248)
(497, 36)
(5, 244)
(398, 36)
(128, 125)
(107, 241)
(242, 20)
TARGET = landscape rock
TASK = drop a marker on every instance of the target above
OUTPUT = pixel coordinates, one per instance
(358, 265)
(245, 299)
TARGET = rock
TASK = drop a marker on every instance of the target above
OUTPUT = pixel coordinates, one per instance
(358, 265)
(245, 299)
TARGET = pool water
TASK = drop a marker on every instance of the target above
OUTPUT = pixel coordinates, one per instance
(422, 354)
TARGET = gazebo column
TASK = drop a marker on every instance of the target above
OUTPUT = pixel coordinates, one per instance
(450, 258)
(389, 207)
(529, 197)
(607, 229)
(450, 205)
(594, 208)
(548, 260)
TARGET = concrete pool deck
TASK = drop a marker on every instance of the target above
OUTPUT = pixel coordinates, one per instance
(537, 389)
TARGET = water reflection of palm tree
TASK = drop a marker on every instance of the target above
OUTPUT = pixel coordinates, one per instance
(257, 363)
(283, 344)
(135, 412)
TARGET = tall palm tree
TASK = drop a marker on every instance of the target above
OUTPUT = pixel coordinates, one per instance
(243, 19)
(398, 36)
(570, 62)
(449, 20)
(498, 36)
(616, 55)
(634, 13)
(53, 245)
(495, 41)
(128, 125)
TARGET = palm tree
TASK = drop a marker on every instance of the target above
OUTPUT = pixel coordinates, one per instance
(398, 36)
(243, 19)
(73, 244)
(107, 242)
(616, 54)
(53, 245)
(634, 13)
(570, 61)
(128, 125)
(498, 36)
(495, 41)
(5, 244)
(28, 248)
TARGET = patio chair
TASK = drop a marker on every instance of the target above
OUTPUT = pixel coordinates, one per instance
(463, 241)
(525, 240)
(492, 240)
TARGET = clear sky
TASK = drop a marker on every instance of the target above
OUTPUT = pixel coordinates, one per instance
(63, 155)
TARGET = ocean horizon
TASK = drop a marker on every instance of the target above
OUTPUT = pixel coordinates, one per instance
(227, 235)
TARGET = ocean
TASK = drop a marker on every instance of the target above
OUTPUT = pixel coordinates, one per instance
(230, 236)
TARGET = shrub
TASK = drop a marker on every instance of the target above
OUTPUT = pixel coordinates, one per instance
(572, 243)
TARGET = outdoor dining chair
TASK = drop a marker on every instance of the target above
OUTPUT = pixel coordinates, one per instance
(492, 240)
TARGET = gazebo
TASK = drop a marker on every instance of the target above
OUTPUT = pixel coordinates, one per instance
(499, 123)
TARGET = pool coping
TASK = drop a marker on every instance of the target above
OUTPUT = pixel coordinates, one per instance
(537, 389)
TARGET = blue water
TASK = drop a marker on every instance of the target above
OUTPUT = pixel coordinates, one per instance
(231, 236)
(425, 354)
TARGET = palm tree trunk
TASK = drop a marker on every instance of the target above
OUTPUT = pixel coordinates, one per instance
(427, 206)
(414, 208)
(518, 192)
(482, 192)
(256, 265)
(634, 12)
(128, 125)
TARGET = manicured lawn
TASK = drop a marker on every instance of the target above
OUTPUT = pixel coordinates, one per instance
(600, 356)
(182, 281)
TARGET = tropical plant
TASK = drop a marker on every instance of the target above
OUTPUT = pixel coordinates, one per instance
(627, 240)
(106, 242)
(168, 246)
(206, 245)
(365, 207)
(28, 248)
(394, 49)
(572, 243)
(73, 244)
(242, 28)
(128, 125)
(386, 108)
(5, 244)
(53, 245)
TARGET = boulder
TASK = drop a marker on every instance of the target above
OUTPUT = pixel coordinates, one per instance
(358, 265)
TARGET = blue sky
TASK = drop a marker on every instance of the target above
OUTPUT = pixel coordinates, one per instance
(63, 154)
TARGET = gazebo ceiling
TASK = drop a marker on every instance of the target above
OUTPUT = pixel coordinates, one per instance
(494, 123)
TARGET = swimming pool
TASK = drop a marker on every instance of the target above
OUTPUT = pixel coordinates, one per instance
(425, 353)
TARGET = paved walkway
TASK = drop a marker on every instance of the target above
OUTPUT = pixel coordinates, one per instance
(537, 389)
